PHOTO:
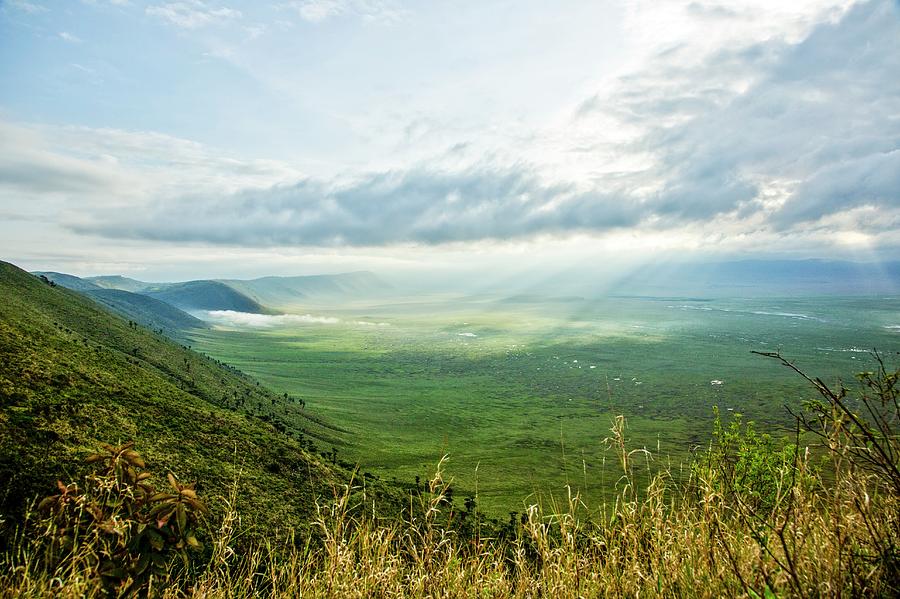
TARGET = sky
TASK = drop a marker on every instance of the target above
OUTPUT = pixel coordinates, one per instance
(170, 140)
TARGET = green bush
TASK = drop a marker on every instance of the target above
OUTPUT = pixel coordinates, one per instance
(118, 527)
(745, 465)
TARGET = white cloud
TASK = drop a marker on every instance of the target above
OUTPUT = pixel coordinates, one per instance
(266, 321)
(192, 14)
(27, 7)
(318, 11)
(66, 36)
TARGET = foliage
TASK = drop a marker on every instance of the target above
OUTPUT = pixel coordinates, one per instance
(131, 530)
(747, 465)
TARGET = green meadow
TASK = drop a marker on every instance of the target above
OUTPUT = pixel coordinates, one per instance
(520, 392)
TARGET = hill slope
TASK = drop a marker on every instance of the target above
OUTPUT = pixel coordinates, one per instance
(68, 281)
(205, 295)
(119, 282)
(73, 375)
(147, 311)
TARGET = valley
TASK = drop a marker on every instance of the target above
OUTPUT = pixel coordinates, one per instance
(520, 391)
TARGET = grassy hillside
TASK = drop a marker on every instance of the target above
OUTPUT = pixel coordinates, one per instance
(144, 310)
(205, 295)
(119, 282)
(73, 375)
(68, 281)
(147, 311)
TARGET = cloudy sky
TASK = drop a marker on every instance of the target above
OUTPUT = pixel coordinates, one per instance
(200, 138)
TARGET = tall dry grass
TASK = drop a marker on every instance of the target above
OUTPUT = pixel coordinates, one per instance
(670, 539)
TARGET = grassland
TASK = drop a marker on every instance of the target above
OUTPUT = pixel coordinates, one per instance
(520, 392)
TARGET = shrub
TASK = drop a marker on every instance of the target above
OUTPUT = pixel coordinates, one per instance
(118, 527)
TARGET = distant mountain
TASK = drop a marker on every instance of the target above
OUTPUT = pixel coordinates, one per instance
(119, 282)
(68, 281)
(253, 295)
(147, 311)
(734, 278)
(205, 295)
(765, 277)
(274, 291)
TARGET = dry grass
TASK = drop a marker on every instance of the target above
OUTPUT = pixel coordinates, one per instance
(667, 539)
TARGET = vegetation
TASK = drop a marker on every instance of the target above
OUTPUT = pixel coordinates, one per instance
(257, 501)
(747, 522)
(73, 375)
(130, 530)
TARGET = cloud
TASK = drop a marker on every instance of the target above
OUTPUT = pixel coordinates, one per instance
(80, 173)
(68, 37)
(318, 11)
(790, 138)
(266, 321)
(419, 206)
(28, 165)
(795, 131)
(192, 14)
(27, 7)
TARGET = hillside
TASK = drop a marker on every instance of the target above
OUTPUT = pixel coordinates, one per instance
(147, 311)
(68, 281)
(73, 375)
(205, 295)
(119, 282)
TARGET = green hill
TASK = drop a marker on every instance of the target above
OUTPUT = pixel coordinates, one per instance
(147, 311)
(67, 281)
(205, 295)
(119, 282)
(144, 310)
(73, 375)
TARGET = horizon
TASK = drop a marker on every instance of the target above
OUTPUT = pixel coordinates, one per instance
(221, 139)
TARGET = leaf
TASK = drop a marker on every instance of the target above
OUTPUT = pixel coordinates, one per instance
(114, 573)
(171, 478)
(197, 505)
(135, 458)
(182, 517)
(156, 540)
(142, 564)
(47, 503)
